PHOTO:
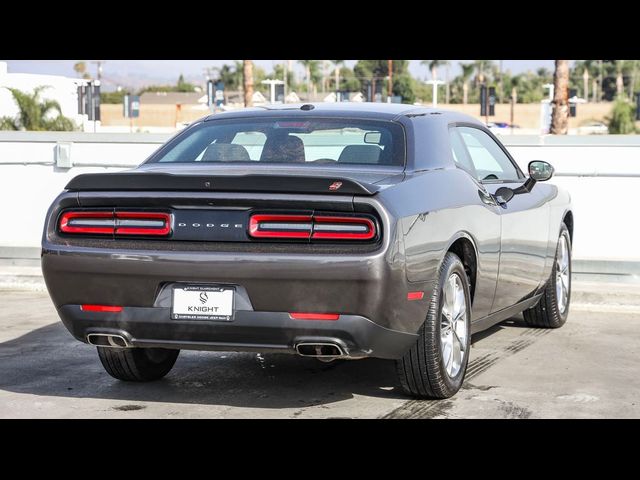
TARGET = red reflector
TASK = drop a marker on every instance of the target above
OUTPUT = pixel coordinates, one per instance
(415, 295)
(314, 316)
(100, 308)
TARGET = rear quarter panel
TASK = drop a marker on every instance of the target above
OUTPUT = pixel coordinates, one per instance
(436, 208)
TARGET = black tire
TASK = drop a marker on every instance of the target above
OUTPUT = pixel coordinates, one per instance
(422, 371)
(137, 364)
(545, 313)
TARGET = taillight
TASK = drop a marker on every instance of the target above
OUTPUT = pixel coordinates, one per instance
(343, 228)
(101, 223)
(143, 223)
(280, 226)
(314, 227)
(116, 223)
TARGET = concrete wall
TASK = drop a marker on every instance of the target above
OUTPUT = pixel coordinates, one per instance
(602, 174)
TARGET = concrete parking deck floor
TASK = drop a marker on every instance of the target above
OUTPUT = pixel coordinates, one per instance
(589, 368)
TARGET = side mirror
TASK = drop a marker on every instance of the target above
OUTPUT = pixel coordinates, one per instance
(504, 194)
(540, 171)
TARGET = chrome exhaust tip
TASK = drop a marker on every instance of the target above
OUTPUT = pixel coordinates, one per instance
(107, 340)
(320, 350)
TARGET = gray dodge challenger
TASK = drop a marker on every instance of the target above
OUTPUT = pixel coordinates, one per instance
(335, 231)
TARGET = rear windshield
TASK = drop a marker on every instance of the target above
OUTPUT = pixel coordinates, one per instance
(315, 141)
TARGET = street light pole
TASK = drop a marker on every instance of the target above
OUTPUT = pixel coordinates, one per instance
(435, 84)
(99, 65)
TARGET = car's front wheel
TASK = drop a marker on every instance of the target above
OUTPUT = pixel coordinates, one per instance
(553, 308)
(137, 364)
(435, 366)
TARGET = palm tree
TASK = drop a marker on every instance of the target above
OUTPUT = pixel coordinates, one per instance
(560, 114)
(230, 75)
(433, 66)
(481, 66)
(467, 71)
(81, 69)
(337, 64)
(247, 82)
(311, 72)
(35, 113)
(445, 64)
(619, 79)
(632, 82)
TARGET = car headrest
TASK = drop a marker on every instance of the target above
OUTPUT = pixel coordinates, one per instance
(225, 152)
(287, 148)
(360, 154)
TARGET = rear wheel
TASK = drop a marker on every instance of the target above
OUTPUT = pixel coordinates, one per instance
(553, 308)
(435, 366)
(137, 364)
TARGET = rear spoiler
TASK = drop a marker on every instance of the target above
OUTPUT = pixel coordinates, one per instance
(121, 181)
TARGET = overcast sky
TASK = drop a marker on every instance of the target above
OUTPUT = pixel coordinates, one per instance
(160, 71)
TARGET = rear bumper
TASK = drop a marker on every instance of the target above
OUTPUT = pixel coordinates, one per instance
(368, 287)
(373, 286)
(249, 331)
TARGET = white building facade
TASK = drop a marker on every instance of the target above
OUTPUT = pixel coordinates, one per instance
(63, 90)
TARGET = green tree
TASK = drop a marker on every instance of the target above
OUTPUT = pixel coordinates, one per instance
(348, 80)
(180, 86)
(183, 86)
(433, 66)
(312, 73)
(35, 113)
(481, 68)
(404, 86)
(112, 97)
(609, 71)
(231, 76)
(375, 72)
(622, 117)
(278, 74)
(337, 64)
(81, 69)
(467, 72)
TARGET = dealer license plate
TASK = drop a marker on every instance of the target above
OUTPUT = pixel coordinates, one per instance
(194, 302)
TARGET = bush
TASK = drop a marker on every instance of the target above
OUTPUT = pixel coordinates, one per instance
(622, 119)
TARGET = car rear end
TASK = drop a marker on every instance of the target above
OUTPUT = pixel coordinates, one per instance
(303, 263)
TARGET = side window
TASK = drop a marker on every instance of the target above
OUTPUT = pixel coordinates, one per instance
(490, 162)
(459, 152)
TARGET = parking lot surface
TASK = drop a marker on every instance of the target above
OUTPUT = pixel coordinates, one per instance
(587, 369)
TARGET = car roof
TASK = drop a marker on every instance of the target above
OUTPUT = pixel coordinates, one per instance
(373, 110)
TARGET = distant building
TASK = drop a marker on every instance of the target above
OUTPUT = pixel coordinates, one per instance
(63, 90)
